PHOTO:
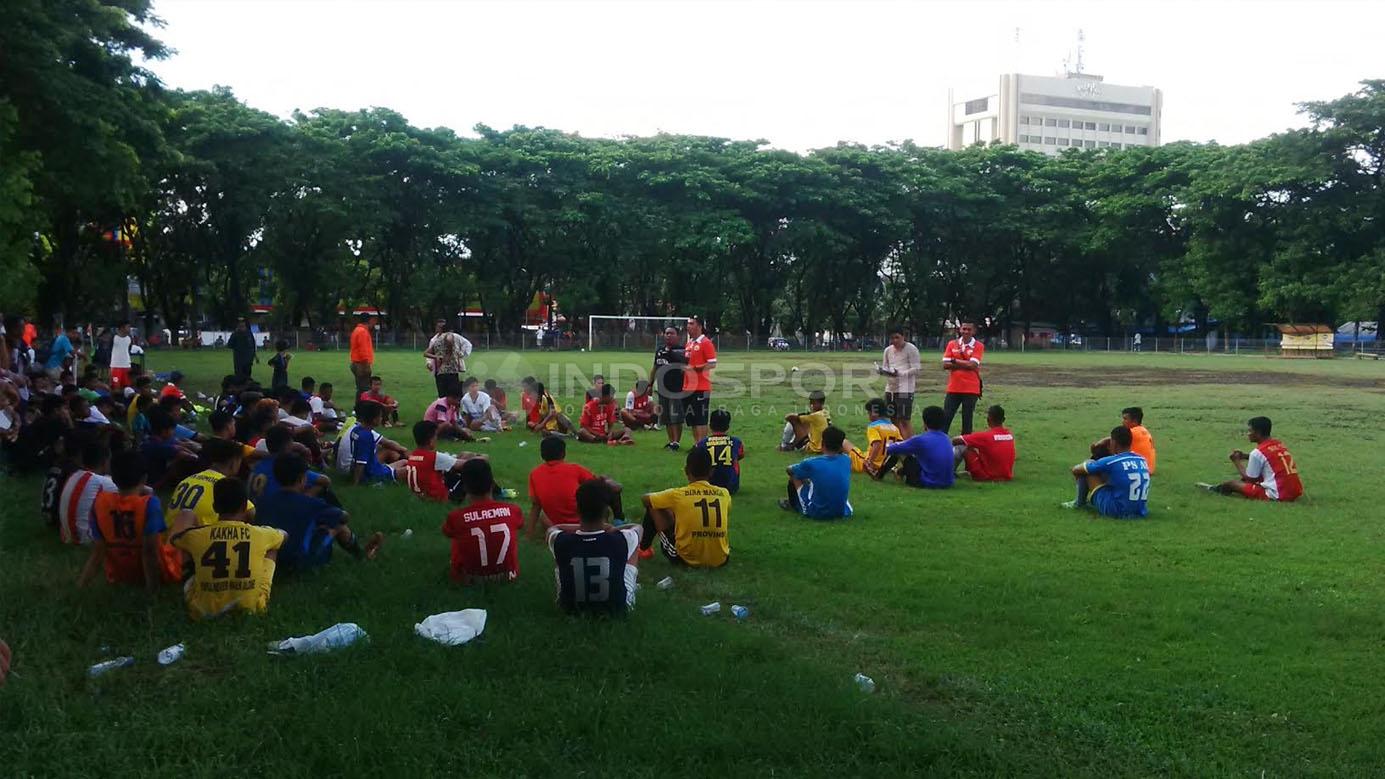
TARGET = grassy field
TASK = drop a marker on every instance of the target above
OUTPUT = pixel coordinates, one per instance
(1007, 635)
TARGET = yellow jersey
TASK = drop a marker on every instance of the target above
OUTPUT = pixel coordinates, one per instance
(815, 422)
(231, 569)
(546, 406)
(195, 494)
(881, 430)
(702, 521)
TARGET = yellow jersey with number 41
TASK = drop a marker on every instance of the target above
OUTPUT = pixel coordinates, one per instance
(702, 522)
(231, 569)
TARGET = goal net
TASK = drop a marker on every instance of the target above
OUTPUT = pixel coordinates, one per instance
(635, 333)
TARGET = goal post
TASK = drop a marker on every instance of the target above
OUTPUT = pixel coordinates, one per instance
(610, 331)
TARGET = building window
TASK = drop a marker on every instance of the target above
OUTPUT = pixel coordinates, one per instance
(1089, 125)
(1143, 131)
(1130, 129)
(1064, 123)
(978, 105)
(1062, 141)
(1115, 145)
(1049, 140)
(1102, 144)
(1050, 123)
(1086, 105)
(1089, 144)
(1104, 127)
(1024, 139)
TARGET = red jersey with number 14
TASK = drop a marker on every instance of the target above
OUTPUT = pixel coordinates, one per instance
(1273, 468)
(484, 537)
(421, 474)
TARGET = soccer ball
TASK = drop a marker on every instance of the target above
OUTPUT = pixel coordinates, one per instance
(794, 369)
(584, 348)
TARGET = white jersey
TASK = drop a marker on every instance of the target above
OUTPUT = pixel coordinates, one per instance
(478, 407)
(120, 351)
(74, 504)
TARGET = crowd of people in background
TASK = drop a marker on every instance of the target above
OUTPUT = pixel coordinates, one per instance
(218, 497)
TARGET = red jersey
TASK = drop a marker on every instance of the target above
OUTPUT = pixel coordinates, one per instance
(499, 398)
(172, 391)
(484, 538)
(702, 358)
(1273, 468)
(964, 382)
(553, 485)
(530, 404)
(384, 400)
(597, 416)
(640, 405)
(123, 521)
(421, 474)
(994, 455)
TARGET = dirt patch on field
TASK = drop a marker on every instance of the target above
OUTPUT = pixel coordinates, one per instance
(1054, 376)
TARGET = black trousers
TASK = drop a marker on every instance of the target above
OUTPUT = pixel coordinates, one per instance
(243, 368)
(444, 382)
(954, 401)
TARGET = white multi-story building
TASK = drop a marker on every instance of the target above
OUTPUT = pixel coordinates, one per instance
(1051, 114)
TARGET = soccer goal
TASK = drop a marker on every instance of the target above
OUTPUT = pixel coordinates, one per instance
(640, 333)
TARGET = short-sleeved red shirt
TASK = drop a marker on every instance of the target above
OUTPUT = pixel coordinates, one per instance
(597, 416)
(702, 358)
(964, 382)
(484, 537)
(554, 486)
(994, 458)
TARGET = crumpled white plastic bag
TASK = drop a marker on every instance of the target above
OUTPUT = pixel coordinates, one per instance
(452, 628)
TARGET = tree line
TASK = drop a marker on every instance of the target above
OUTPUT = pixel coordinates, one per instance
(211, 205)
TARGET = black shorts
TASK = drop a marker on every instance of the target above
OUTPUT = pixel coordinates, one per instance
(899, 405)
(696, 408)
(670, 410)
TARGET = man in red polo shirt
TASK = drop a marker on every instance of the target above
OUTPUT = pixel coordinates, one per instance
(553, 488)
(990, 454)
(962, 361)
(701, 354)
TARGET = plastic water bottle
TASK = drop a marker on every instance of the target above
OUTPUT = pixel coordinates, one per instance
(338, 636)
(865, 683)
(408, 533)
(740, 612)
(172, 654)
(711, 608)
(666, 583)
(110, 665)
(523, 444)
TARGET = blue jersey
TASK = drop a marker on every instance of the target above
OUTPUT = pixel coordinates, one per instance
(591, 569)
(306, 521)
(726, 452)
(932, 450)
(363, 452)
(1126, 493)
(828, 485)
(262, 481)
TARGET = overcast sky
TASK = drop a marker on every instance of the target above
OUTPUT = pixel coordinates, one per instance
(799, 74)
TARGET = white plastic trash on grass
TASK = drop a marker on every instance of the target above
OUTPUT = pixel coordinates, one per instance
(452, 628)
(338, 636)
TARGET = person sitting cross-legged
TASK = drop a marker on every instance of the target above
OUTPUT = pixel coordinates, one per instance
(484, 531)
(233, 561)
(804, 431)
(311, 524)
(433, 474)
(989, 454)
(596, 565)
(1267, 473)
(693, 522)
(1115, 486)
(928, 457)
(599, 422)
(819, 487)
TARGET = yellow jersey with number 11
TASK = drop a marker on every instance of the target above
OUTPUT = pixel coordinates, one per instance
(702, 522)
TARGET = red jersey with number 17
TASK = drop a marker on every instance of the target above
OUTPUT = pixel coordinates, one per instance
(484, 537)
(964, 382)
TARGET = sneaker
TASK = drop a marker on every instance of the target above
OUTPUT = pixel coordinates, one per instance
(1069, 504)
(672, 446)
(1209, 487)
(645, 554)
(786, 505)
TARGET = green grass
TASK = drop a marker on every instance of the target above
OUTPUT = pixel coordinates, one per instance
(1007, 636)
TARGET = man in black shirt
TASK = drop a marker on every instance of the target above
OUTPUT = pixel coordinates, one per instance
(242, 344)
(667, 378)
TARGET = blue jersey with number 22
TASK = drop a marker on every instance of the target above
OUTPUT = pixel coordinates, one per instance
(1126, 494)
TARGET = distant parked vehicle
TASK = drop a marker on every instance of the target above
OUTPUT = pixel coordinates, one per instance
(779, 344)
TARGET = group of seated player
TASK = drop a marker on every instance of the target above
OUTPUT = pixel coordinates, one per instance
(252, 497)
(601, 420)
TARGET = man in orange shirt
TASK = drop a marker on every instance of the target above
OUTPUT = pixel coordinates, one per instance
(701, 356)
(962, 361)
(1141, 442)
(362, 354)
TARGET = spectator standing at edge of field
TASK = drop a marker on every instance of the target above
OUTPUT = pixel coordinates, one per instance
(962, 361)
(900, 365)
(242, 345)
(667, 377)
(362, 354)
(697, 379)
(120, 357)
(448, 350)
